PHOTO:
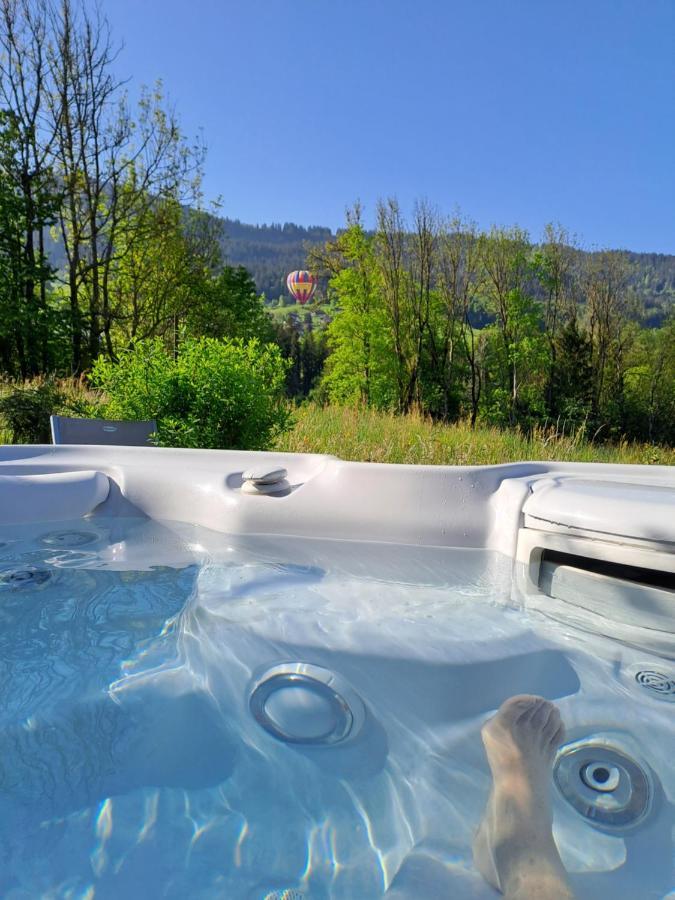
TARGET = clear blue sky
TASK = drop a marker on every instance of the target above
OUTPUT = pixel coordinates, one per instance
(518, 111)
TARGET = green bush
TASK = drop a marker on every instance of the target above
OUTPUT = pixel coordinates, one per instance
(25, 408)
(215, 394)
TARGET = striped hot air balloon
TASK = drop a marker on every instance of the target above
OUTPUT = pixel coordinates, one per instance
(302, 285)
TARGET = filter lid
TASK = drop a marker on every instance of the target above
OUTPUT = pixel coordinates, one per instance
(639, 511)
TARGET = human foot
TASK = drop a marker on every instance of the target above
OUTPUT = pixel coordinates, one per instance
(515, 839)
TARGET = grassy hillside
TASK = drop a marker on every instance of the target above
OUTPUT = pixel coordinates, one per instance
(362, 434)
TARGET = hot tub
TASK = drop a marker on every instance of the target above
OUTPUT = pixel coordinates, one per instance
(216, 685)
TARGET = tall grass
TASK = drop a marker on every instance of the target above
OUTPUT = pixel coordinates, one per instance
(370, 436)
(364, 434)
(25, 406)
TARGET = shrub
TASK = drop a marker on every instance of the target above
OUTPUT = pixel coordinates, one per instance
(25, 408)
(215, 394)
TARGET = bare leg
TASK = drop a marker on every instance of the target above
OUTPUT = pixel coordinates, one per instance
(514, 848)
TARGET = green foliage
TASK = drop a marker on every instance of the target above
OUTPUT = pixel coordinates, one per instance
(361, 365)
(25, 408)
(561, 343)
(270, 252)
(649, 388)
(652, 279)
(161, 271)
(515, 367)
(572, 377)
(305, 354)
(214, 394)
(27, 203)
(229, 306)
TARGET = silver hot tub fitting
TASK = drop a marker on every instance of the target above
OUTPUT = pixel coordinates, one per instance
(300, 703)
(604, 784)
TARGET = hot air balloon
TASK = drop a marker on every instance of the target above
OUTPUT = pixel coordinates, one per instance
(302, 286)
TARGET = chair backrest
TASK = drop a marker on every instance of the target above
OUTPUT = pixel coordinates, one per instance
(101, 431)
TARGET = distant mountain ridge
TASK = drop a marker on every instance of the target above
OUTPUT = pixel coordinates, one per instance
(270, 252)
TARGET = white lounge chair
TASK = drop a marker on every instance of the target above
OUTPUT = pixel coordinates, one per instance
(101, 431)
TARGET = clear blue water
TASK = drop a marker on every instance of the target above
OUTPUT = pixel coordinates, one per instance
(132, 767)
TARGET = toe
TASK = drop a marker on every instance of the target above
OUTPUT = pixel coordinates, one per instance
(558, 737)
(531, 712)
(518, 706)
(553, 722)
(509, 713)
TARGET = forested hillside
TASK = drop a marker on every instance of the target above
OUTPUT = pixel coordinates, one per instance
(269, 252)
(652, 277)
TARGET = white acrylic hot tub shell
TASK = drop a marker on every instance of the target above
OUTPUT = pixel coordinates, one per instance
(620, 514)
(40, 497)
(461, 506)
(606, 506)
